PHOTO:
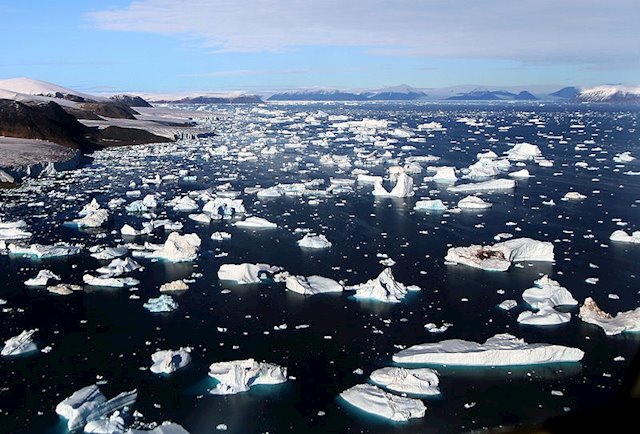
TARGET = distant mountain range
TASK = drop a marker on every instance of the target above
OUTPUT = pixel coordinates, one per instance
(495, 95)
(397, 93)
(610, 94)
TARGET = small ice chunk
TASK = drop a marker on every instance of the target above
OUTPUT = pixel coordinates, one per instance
(311, 241)
(164, 303)
(220, 236)
(169, 361)
(21, 344)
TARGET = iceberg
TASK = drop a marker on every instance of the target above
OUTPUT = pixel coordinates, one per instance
(545, 316)
(499, 350)
(622, 237)
(372, 399)
(524, 151)
(312, 285)
(574, 195)
(623, 322)
(383, 288)
(524, 173)
(493, 184)
(473, 203)
(403, 187)
(499, 257)
(421, 381)
(430, 205)
(89, 404)
(177, 248)
(43, 252)
(64, 288)
(42, 279)
(240, 375)
(165, 428)
(13, 225)
(113, 424)
(256, 223)
(220, 236)
(21, 344)
(108, 253)
(119, 266)
(14, 234)
(164, 303)
(224, 207)
(169, 361)
(311, 241)
(113, 282)
(247, 273)
(176, 285)
(200, 218)
(94, 219)
(548, 293)
(444, 174)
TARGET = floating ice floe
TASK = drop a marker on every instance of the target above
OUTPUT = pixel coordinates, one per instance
(403, 187)
(623, 322)
(311, 241)
(176, 285)
(374, 400)
(312, 285)
(109, 253)
(42, 279)
(43, 252)
(508, 304)
(95, 219)
(524, 151)
(164, 303)
(165, 428)
(432, 328)
(169, 361)
(64, 288)
(524, 173)
(486, 168)
(574, 195)
(548, 293)
(430, 205)
(624, 157)
(220, 236)
(223, 207)
(499, 350)
(21, 344)
(12, 231)
(623, 237)
(444, 174)
(119, 266)
(383, 288)
(544, 316)
(177, 248)
(493, 184)
(200, 218)
(240, 375)
(89, 404)
(113, 282)
(247, 273)
(473, 203)
(421, 381)
(498, 257)
(256, 223)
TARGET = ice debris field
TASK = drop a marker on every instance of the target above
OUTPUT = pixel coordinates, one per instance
(327, 268)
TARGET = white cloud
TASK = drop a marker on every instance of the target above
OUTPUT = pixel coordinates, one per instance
(589, 31)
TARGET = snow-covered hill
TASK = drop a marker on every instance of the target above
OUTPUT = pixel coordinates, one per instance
(620, 94)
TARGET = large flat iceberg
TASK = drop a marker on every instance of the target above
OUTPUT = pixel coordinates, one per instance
(312, 285)
(247, 273)
(499, 350)
(421, 381)
(493, 184)
(498, 257)
(240, 375)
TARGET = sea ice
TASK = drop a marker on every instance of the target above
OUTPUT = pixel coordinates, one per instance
(473, 203)
(623, 237)
(247, 273)
(493, 184)
(256, 223)
(499, 350)
(169, 361)
(430, 205)
(382, 288)
(421, 381)
(312, 285)
(623, 322)
(240, 375)
(311, 241)
(23, 343)
(499, 257)
(374, 400)
(42, 279)
(164, 303)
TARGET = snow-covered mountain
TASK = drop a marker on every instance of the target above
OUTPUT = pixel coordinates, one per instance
(616, 94)
(28, 86)
(394, 93)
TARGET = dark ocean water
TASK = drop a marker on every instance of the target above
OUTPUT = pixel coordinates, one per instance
(102, 334)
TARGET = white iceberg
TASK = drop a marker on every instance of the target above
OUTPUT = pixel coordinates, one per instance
(372, 399)
(176, 285)
(574, 195)
(240, 375)
(430, 205)
(524, 173)
(63, 288)
(220, 236)
(622, 237)
(164, 303)
(14, 234)
(492, 184)
(177, 248)
(383, 288)
(623, 322)
(21, 344)
(43, 252)
(247, 273)
(545, 316)
(109, 253)
(224, 207)
(312, 285)
(112, 282)
(94, 219)
(548, 293)
(165, 428)
(311, 241)
(523, 152)
(403, 187)
(113, 424)
(499, 257)
(421, 381)
(42, 279)
(473, 203)
(169, 361)
(444, 174)
(256, 223)
(499, 350)
(89, 404)
(119, 266)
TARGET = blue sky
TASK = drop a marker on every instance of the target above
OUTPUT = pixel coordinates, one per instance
(190, 45)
